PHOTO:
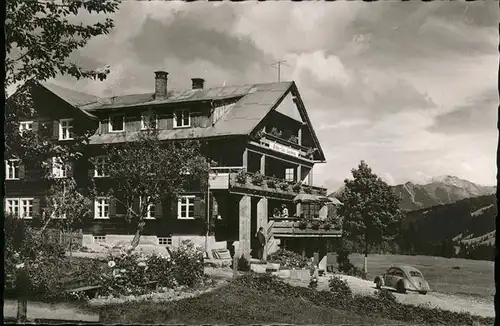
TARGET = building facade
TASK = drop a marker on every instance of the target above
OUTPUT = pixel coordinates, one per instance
(259, 135)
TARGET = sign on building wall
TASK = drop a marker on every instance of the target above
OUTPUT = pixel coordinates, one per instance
(283, 149)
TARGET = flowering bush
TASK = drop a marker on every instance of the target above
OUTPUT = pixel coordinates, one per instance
(288, 259)
(284, 186)
(257, 178)
(187, 263)
(241, 177)
(271, 183)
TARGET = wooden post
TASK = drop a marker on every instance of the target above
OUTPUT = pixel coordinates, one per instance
(235, 263)
(22, 300)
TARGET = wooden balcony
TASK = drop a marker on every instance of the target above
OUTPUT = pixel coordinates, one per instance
(293, 227)
(255, 182)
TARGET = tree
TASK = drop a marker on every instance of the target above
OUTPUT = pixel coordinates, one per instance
(146, 171)
(370, 209)
(42, 34)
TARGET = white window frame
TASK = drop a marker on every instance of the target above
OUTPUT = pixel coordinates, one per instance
(110, 125)
(287, 174)
(66, 129)
(98, 204)
(11, 170)
(59, 168)
(150, 214)
(101, 165)
(189, 203)
(164, 241)
(149, 116)
(182, 113)
(98, 238)
(21, 207)
(25, 126)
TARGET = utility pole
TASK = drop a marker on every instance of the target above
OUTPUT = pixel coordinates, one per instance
(278, 64)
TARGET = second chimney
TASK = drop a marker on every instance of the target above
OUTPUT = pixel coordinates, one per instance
(198, 83)
(161, 78)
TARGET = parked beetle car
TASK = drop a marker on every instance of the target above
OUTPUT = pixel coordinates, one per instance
(403, 278)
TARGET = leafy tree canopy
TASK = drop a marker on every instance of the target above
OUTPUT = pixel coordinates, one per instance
(41, 35)
(370, 208)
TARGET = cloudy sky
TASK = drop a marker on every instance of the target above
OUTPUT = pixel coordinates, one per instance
(411, 88)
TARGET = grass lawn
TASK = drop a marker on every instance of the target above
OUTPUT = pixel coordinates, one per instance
(234, 304)
(474, 278)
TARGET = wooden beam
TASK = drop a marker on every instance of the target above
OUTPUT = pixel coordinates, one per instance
(278, 235)
(245, 159)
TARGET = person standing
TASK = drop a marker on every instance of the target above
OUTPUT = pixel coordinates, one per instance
(284, 211)
(261, 242)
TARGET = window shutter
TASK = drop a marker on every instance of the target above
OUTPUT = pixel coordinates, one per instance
(55, 130)
(203, 209)
(36, 206)
(104, 125)
(34, 126)
(91, 172)
(22, 171)
(173, 207)
(69, 169)
(92, 207)
(159, 209)
(197, 207)
(112, 207)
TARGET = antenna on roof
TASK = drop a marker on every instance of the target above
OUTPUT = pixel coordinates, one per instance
(278, 64)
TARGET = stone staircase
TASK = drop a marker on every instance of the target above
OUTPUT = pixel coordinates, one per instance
(272, 244)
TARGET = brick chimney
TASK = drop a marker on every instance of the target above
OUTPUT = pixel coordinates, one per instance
(198, 83)
(161, 79)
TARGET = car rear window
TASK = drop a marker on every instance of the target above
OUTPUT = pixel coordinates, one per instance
(415, 274)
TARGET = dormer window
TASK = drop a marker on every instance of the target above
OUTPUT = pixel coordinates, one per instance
(148, 121)
(117, 123)
(182, 119)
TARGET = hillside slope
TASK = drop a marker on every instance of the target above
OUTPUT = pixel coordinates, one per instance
(470, 220)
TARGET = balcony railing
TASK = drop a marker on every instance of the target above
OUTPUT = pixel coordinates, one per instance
(257, 181)
(296, 227)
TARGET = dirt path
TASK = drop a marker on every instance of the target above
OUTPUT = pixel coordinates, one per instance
(363, 287)
(433, 299)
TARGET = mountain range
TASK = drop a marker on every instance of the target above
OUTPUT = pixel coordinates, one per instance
(448, 207)
(439, 191)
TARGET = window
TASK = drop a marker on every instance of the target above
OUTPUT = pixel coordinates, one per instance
(116, 123)
(185, 207)
(101, 167)
(65, 129)
(25, 125)
(182, 119)
(99, 238)
(163, 241)
(148, 121)
(58, 168)
(289, 174)
(311, 210)
(415, 274)
(12, 169)
(20, 207)
(101, 205)
(12, 206)
(150, 213)
(398, 272)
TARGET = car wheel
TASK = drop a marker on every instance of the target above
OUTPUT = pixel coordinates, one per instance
(378, 283)
(423, 292)
(401, 287)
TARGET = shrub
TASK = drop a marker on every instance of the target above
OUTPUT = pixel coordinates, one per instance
(339, 287)
(307, 190)
(345, 265)
(275, 132)
(243, 264)
(241, 177)
(271, 183)
(288, 259)
(296, 187)
(293, 139)
(284, 186)
(327, 226)
(257, 178)
(315, 224)
(303, 224)
(386, 296)
(187, 264)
